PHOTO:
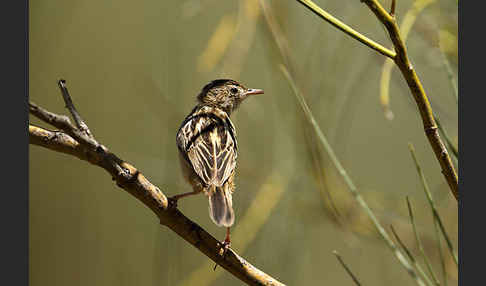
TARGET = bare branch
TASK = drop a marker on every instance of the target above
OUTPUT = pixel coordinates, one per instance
(400, 57)
(62, 122)
(393, 6)
(82, 126)
(74, 142)
(418, 92)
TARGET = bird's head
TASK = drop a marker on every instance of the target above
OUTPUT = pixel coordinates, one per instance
(225, 94)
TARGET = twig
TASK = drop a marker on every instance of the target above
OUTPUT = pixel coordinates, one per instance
(405, 27)
(419, 243)
(346, 29)
(400, 58)
(410, 256)
(82, 126)
(131, 179)
(418, 92)
(356, 281)
(428, 194)
(62, 122)
(393, 6)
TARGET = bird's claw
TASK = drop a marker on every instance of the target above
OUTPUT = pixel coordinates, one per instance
(225, 245)
(172, 202)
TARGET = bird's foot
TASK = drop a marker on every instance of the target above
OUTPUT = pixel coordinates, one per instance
(173, 202)
(225, 245)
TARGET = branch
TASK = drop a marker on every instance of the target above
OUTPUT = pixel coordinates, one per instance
(418, 92)
(400, 58)
(72, 141)
(70, 106)
(346, 29)
(406, 26)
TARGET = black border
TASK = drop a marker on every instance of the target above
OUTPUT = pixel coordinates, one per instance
(14, 190)
(465, 78)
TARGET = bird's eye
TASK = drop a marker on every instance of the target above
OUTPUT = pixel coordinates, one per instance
(234, 90)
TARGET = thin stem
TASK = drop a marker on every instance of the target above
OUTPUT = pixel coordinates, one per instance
(348, 270)
(393, 6)
(418, 92)
(410, 256)
(346, 29)
(82, 126)
(430, 199)
(450, 74)
(419, 243)
(351, 187)
(441, 254)
(405, 26)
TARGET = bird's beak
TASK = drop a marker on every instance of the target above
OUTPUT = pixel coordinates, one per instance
(251, 91)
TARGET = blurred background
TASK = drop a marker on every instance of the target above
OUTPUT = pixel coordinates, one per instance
(134, 69)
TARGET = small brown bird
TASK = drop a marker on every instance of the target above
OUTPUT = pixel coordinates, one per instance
(208, 149)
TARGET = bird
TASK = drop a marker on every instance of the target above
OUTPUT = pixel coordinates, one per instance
(208, 149)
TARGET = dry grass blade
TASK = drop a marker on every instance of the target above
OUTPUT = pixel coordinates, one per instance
(441, 254)
(217, 44)
(356, 281)
(428, 194)
(351, 187)
(447, 65)
(419, 243)
(410, 256)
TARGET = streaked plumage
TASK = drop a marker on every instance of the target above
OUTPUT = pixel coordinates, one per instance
(208, 148)
(207, 141)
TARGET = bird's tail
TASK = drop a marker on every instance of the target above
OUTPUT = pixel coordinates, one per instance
(221, 206)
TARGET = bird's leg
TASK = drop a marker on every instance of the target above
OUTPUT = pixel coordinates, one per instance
(173, 200)
(225, 245)
(227, 241)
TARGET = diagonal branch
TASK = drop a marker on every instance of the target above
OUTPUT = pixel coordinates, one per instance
(418, 92)
(72, 141)
(402, 61)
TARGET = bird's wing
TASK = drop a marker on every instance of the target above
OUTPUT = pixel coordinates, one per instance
(208, 142)
(213, 155)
